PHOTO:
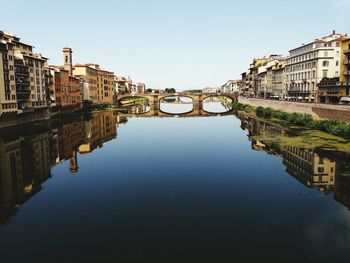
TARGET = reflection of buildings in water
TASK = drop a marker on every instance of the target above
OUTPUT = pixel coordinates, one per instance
(99, 129)
(121, 119)
(26, 160)
(138, 109)
(342, 190)
(342, 185)
(256, 127)
(269, 148)
(24, 166)
(310, 168)
(68, 138)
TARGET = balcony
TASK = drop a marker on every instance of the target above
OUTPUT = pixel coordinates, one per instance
(329, 84)
(23, 91)
(22, 73)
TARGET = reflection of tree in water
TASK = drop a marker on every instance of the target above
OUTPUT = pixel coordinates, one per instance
(328, 171)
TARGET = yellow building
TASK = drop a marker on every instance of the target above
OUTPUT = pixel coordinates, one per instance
(105, 86)
(101, 128)
(90, 81)
(255, 78)
(345, 66)
(98, 85)
(98, 82)
(310, 168)
(332, 90)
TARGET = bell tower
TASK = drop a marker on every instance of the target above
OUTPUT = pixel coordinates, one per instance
(67, 58)
(73, 163)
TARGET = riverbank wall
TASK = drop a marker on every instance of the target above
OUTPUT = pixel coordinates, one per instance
(316, 110)
(24, 118)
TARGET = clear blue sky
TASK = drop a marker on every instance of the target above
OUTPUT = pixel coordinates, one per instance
(172, 44)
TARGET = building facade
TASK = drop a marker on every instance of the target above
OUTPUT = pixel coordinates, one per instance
(64, 88)
(308, 64)
(266, 74)
(96, 84)
(333, 90)
(105, 86)
(278, 80)
(345, 66)
(310, 168)
(23, 83)
(231, 86)
(254, 81)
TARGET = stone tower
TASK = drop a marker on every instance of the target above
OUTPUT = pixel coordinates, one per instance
(67, 56)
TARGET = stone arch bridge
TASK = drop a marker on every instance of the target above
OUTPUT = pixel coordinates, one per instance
(155, 99)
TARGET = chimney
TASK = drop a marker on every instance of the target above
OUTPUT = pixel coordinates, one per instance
(67, 56)
(333, 32)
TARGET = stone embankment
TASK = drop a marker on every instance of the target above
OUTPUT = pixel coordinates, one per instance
(317, 110)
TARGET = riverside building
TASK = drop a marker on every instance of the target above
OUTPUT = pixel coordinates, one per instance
(97, 84)
(336, 90)
(23, 83)
(65, 89)
(308, 64)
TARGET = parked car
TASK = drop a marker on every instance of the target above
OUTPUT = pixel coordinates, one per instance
(345, 101)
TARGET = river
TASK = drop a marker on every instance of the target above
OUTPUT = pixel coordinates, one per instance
(112, 187)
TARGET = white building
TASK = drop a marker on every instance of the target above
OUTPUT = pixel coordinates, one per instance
(231, 86)
(139, 88)
(210, 90)
(308, 64)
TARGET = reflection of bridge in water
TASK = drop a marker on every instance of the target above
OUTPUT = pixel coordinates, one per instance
(197, 101)
(161, 114)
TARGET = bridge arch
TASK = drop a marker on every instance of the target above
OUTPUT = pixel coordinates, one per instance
(213, 95)
(227, 107)
(176, 107)
(181, 95)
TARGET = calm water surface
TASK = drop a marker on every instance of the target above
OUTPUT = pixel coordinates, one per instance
(106, 188)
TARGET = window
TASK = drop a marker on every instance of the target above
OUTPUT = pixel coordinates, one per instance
(337, 63)
(325, 73)
(320, 169)
(325, 63)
